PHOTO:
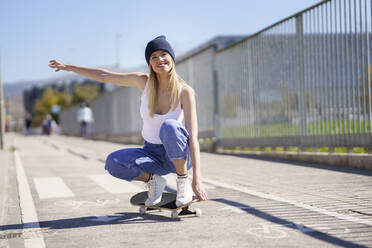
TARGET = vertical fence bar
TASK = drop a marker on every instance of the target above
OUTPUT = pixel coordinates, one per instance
(243, 88)
(254, 85)
(352, 74)
(362, 66)
(313, 96)
(343, 64)
(286, 80)
(347, 76)
(368, 65)
(327, 73)
(259, 86)
(359, 123)
(215, 100)
(332, 70)
(307, 73)
(329, 70)
(337, 75)
(320, 80)
(323, 71)
(263, 84)
(341, 67)
(300, 74)
(316, 70)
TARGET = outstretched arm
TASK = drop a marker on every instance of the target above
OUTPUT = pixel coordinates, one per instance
(137, 79)
(189, 108)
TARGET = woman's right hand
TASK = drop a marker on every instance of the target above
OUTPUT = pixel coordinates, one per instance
(57, 65)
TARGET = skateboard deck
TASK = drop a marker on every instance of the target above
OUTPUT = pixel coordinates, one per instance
(168, 202)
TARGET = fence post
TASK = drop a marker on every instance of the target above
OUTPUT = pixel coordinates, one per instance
(215, 102)
(300, 75)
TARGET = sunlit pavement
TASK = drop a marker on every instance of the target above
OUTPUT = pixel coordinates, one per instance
(56, 193)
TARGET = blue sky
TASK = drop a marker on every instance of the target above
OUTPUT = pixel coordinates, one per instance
(82, 32)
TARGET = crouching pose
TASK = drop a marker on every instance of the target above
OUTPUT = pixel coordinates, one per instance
(169, 147)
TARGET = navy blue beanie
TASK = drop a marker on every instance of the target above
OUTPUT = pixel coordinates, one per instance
(159, 43)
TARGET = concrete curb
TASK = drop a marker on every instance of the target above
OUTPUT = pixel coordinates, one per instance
(357, 161)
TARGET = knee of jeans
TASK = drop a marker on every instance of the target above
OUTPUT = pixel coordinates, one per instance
(109, 163)
(169, 127)
(115, 168)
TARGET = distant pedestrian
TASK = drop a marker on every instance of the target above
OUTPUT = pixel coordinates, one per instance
(28, 124)
(170, 147)
(84, 118)
(46, 125)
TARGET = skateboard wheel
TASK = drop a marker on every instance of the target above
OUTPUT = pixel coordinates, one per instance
(174, 215)
(142, 210)
(198, 212)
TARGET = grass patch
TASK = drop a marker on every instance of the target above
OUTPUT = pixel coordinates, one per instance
(334, 127)
(268, 149)
(12, 148)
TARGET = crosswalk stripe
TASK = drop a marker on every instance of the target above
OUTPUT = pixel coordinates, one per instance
(52, 187)
(27, 205)
(114, 185)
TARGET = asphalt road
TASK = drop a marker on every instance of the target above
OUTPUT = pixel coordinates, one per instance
(56, 193)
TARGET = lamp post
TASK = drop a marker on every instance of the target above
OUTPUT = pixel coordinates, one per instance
(117, 50)
(1, 111)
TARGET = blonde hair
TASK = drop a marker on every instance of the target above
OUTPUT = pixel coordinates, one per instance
(174, 82)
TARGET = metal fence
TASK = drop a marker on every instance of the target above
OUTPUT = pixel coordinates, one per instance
(197, 71)
(304, 81)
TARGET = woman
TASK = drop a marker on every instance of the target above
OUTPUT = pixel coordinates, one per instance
(169, 147)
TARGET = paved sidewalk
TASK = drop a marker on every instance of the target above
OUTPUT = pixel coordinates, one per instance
(253, 203)
(9, 203)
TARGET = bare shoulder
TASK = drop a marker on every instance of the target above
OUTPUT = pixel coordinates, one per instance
(187, 92)
(187, 97)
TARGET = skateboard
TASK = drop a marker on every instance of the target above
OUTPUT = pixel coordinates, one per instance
(168, 202)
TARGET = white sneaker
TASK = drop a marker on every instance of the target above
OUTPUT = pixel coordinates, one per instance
(184, 192)
(156, 185)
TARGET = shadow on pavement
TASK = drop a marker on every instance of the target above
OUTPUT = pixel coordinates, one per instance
(289, 224)
(88, 221)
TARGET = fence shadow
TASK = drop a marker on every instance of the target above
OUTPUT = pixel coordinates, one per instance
(316, 234)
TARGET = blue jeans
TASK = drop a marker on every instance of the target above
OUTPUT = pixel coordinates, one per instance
(128, 164)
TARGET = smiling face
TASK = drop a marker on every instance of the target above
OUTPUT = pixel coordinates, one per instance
(161, 62)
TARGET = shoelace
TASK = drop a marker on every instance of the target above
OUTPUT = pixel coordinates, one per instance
(151, 188)
(181, 186)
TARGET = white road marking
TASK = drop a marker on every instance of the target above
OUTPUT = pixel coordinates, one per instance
(238, 210)
(52, 187)
(268, 231)
(28, 211)
(77, 204)
(114, 185)
(280, 199)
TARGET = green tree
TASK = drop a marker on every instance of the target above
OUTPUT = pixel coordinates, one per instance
(85, 93)
(43, 105)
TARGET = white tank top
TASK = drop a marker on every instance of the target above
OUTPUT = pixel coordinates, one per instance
(151, 126)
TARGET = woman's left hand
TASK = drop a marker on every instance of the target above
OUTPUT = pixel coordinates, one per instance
(199, 191)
